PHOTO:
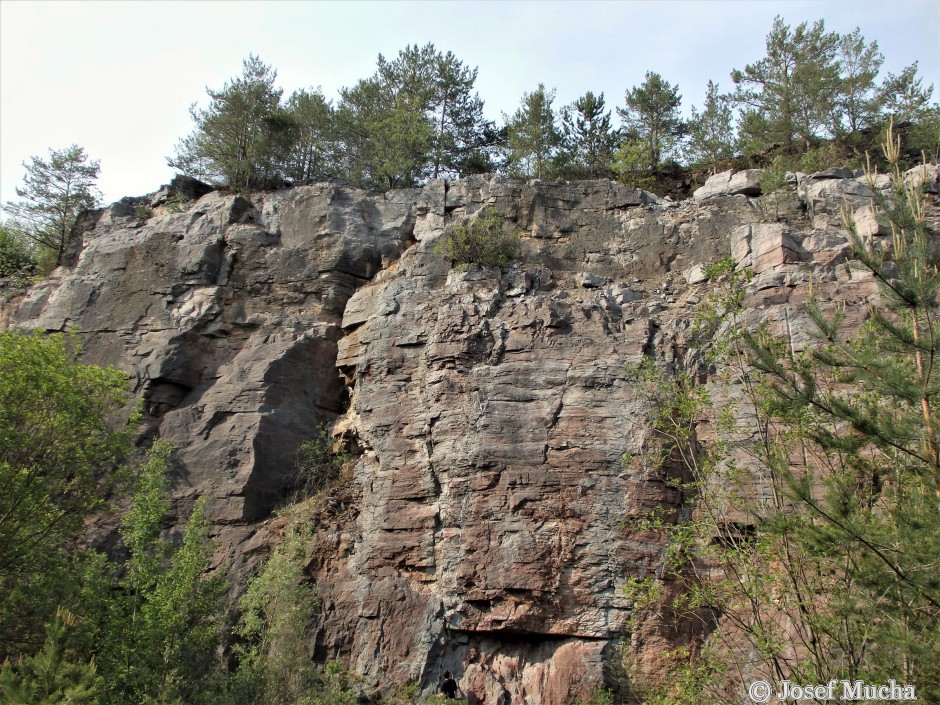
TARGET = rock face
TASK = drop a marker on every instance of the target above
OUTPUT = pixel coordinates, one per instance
(486, 529)
(730, 183)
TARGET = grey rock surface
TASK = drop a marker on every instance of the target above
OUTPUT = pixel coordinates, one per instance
(486, 524)
(730, 183)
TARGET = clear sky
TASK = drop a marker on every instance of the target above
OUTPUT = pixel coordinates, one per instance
(118, 77)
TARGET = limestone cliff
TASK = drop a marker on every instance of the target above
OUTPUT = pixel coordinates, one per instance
(485, 529)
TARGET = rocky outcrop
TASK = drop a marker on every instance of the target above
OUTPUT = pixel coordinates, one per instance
(486, 527)
(730, 183)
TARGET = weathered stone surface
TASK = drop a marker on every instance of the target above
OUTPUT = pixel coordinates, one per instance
(765, 246)
(182, 189)
(486, 527)
(589, 280)
(832, 173)
(730, 183)
(695, 275)
(827, 196)
(226, 318)
(926, 176)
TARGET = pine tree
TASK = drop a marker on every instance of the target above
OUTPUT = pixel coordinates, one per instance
(533, 136)
(904, 95)
(788, 97)
(243, 136)
(827, 572)
(589, 139)
(416, 118)
(868, 401)
(711, 132)
(54, 192)
(311, 152)
(387, 134)
(651, 116)
(859, 102)
(461, 131)
(52, 676)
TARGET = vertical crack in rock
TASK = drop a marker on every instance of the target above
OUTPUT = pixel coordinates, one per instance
(487, 526)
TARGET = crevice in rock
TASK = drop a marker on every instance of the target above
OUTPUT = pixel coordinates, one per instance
(522, 636)
(162, 395)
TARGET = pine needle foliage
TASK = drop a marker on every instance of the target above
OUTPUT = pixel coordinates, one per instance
(807, 548)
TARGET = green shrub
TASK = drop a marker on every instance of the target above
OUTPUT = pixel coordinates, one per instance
(53, 675)
(631, 166)
(317, 463)
(15, 256)
(601, 696)
(481, 241)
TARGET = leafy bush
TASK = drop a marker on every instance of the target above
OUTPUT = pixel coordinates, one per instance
(481, 241)
(631, 166)
(317, 464)
(15, 257)
(57, 448)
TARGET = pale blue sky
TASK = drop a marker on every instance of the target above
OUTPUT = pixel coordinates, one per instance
(118, 77)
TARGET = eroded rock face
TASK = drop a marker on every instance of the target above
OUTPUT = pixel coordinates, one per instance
(730, 183)
(487, 529)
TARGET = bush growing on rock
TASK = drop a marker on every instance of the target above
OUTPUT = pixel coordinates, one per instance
(827, 573)
(481, 241)
(317, 463)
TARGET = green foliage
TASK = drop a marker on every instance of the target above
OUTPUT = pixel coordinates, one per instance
(54, 192)
(54, 676)
(813, 559)
(814, 84)
(244, 134)
(176, 203)
(789, 96)
(923, 137)
(533, 135)
(150, 624)
(17, 263)
(277, 612)
(482, 241)
(904, 95)
(589, 140)
(462, 135)
(601, 696)
(386, 135)
(317, 463)
(814, 159)
(417, 117)
(859, 101)
(311, 154)
(631, 165)
(156, 637)
(711, 132)
(866, 403)
(15, 257)
(148, 629)
(275, 664)
(651, 118)
(58, 451)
